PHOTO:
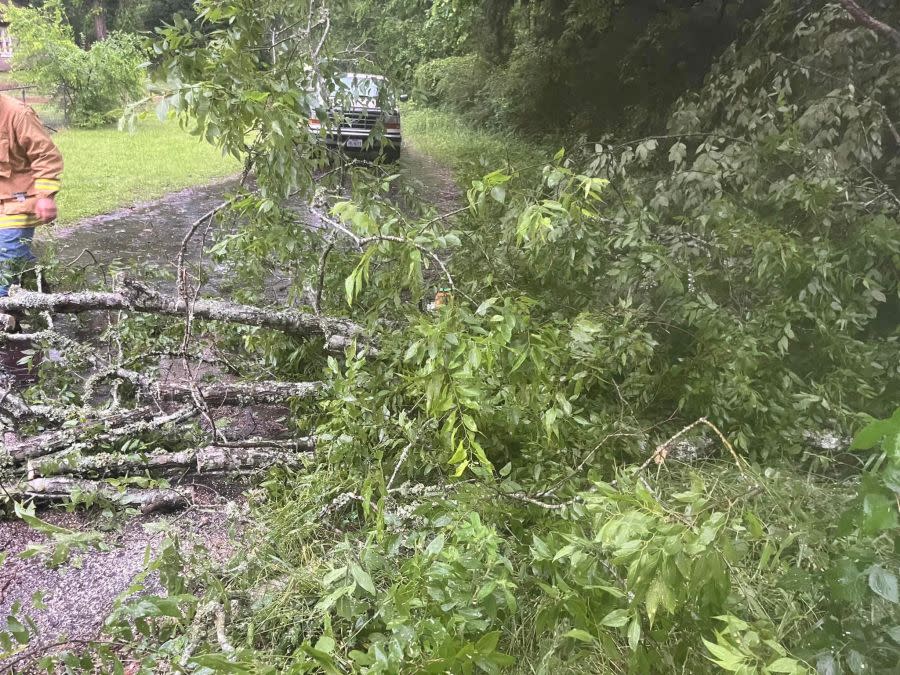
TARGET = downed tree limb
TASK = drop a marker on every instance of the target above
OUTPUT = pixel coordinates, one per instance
(211, 458)
(242, 393)
(865, 19)
(273, 392)
(13, 407)
(55, 489)
(96, 432)
(134, 296)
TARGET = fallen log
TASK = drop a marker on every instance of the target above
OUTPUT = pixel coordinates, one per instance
(96, 432)
(57, 488)
(134, 296)
(12, 407)
(212, 458)
(242, 393)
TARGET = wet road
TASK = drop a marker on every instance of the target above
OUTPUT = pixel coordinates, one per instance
(138, 238)
(149, 235)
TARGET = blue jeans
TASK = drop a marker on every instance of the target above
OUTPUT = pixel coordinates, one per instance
(15, 254)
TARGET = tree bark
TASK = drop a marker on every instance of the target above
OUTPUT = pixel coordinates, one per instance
(242, 393)
(96, 432)
(136, 297)
(58, 488)
(211, 458)
(12, 407)
(101, 30)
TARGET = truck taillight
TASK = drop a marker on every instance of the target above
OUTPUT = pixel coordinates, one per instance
(314, 124)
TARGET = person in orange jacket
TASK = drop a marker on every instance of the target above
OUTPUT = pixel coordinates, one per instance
(30, 167)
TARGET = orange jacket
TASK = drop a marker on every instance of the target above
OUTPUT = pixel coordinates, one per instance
(30, 163)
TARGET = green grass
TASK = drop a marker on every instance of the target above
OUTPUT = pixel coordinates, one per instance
(106, 169)
(471, 152)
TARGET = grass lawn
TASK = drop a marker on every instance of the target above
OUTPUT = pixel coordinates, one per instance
(471, 152)
(106, 169)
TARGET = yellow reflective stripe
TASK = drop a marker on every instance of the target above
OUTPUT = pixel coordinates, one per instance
(46, 184)
(18, 220)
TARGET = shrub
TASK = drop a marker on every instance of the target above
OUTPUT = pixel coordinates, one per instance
(89, 85)
(455, 82)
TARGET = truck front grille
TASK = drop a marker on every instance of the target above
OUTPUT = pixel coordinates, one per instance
(361, 119)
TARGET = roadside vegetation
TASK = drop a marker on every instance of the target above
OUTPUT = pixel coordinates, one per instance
(471, 151)
(652, 425)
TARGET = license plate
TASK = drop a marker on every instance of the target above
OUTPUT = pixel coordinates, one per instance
(355, 143)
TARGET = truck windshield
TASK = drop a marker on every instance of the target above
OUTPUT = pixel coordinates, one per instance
(361, 86)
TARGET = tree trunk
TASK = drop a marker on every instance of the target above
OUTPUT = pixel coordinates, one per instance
(56, 489)
(96, 432)
(101, 31)
(241, 393)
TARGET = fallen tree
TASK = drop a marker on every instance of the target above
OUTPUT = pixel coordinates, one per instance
(242, 393)
(203, 460)
(96, 432)
(61, 488)
(134, 296)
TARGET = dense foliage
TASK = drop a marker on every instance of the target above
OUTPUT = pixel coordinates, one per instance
(92, 20)
(587, 66)
(91, 86)
(596, 457)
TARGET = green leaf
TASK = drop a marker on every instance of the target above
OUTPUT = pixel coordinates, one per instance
(362, 578)
(879, 513)
(435, 546)
(19, 632)
(785, 665)
(219, 663)
(565, 551)
(869, 436)
(349, 286)
(325, 644)
(334, 575)
(883, 583)
(724, 657)
(615, 619)
(361, 658)
(634, 633)
(487, 643)
(459, 455)
(581, 635)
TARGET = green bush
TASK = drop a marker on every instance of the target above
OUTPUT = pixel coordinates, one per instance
(456, 82)
(89, 85)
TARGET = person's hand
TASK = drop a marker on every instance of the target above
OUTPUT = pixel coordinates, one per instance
(45, 209)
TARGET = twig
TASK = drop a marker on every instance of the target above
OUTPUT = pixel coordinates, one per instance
(659, 454)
